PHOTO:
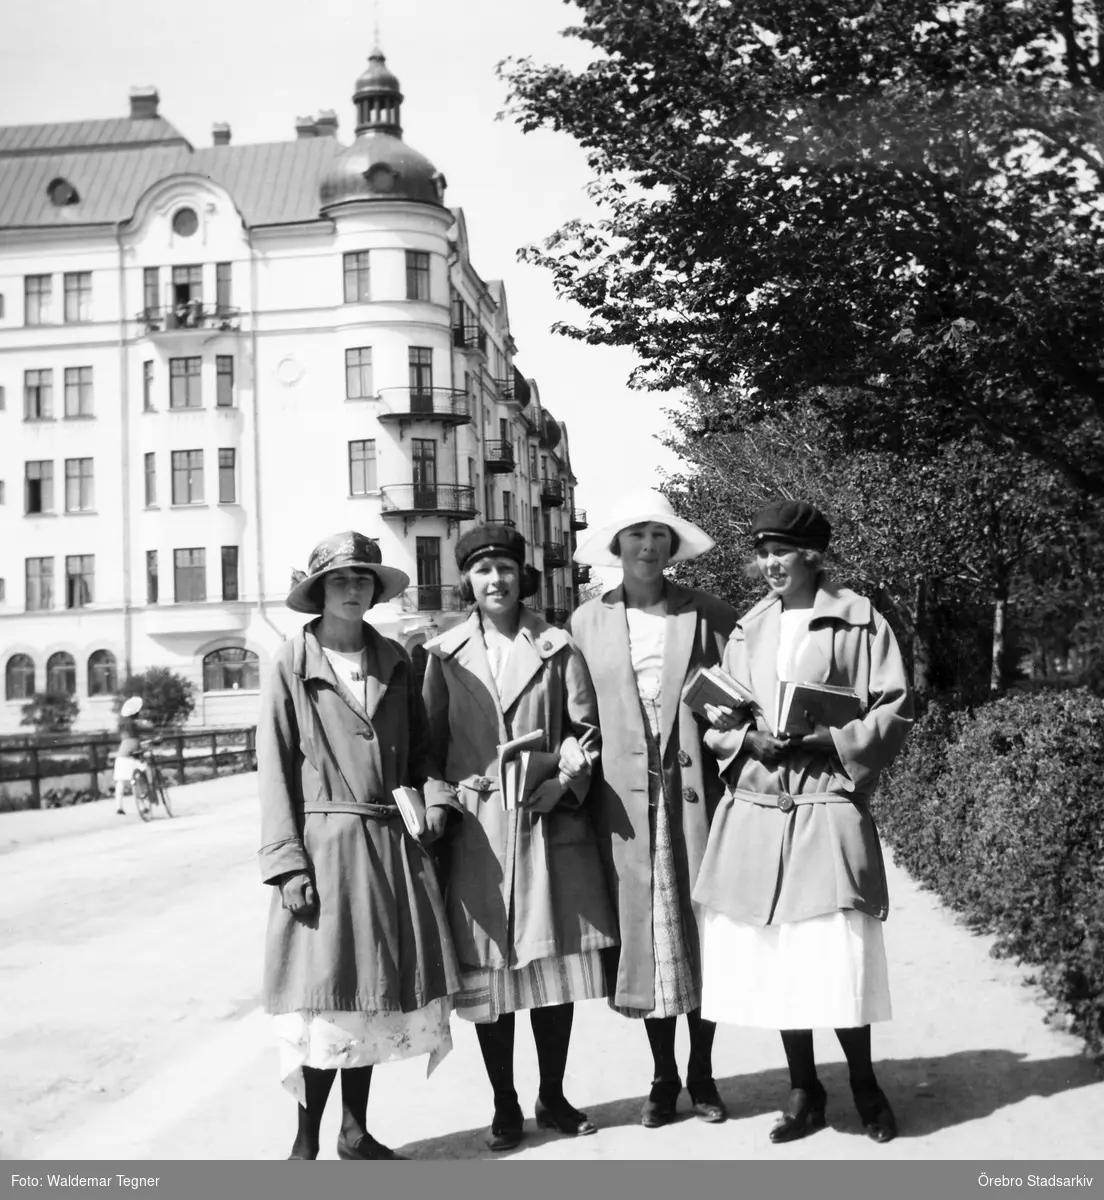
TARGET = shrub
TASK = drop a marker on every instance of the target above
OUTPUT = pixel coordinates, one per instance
(50, 712)
(1001, 811)
(167, 699)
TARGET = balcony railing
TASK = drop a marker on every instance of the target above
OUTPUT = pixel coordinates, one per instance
(456, 501)
(434, 597)
(551, 493)
(447, 405)
(554, 554)
(580, 573)
(556, 616)
(499, 457)
(180, 318)
(470, 337)
(578, 518)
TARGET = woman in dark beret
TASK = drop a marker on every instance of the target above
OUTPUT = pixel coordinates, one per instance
(525, 892)
(792, 881)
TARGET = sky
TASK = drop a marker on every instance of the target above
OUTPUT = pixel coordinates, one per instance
(258, 64)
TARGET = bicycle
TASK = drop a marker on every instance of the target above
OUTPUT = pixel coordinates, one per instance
(149, 788)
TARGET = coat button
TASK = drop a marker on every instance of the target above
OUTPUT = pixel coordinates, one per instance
(689, 796)
(546, 645)
(684, 759)
(786, 802)
(367, 735)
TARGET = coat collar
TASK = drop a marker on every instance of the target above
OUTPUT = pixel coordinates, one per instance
(831, 603)
(384, 659)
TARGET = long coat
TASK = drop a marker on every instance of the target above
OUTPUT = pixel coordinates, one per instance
(697, 629)
(769, 864)
(380, 938)
(519, 886)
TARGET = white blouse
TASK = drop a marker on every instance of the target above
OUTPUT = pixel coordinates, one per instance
(793, 635)
(647, 634)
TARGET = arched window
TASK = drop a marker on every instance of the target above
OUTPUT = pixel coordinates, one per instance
(103, 674)
(61, 673)
(19, 677)
(231, 669)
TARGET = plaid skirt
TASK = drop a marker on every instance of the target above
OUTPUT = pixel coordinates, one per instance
(486, 993)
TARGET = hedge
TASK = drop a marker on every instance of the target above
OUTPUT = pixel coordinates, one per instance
(1001, 811)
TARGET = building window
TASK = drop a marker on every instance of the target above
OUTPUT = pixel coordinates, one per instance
(424, 453)
(38, 395)
(224, 377)
(151, 479)
(147, 387)
(185, 222)
(231, 669)
(421, 371)
(184, 383)
(80, 576)
(103, 673)
(187, 287)
(488, 500)
(471, 473)
(507, 512)
(222, 286)
(38, 291)
(228, 492)
(230, 572)
(79, 490)
(3, 497)
(19, 677)
(187, 477)
(78, 296)
(38, 491)
(3, 398)
(1, 306)
(417, 275)
(61, 674)
(428, 558)
(362, 467)
(151, 290)
(357, 283)
(358, 373)
(78, 391)
(40, 584)
(190, 575)
(151, 577)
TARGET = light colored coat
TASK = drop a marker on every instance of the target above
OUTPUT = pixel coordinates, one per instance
(519, 886)
(380, 938)
(696, 632)
(765, 865)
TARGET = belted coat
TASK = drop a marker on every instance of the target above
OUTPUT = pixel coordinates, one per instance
(696, 632)
(327, 769)
(799, 841)
(519, 886)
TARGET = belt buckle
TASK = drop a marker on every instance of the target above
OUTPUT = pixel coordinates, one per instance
(785, 802)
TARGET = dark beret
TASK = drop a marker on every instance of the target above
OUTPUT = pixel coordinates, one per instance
(794, 521)
(490, 540)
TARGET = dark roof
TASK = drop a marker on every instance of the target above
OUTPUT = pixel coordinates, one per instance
(68, 136)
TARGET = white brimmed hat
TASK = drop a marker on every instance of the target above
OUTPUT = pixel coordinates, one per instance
(131, 706)
(635, 509)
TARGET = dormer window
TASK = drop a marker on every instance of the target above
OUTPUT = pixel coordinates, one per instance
(62, 192)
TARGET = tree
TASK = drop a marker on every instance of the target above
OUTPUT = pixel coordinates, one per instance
(894, 209)
(50, 712)
(167, 699)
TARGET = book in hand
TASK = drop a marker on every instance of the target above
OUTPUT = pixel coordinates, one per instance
(522, 767)
(802, 706)
(412, 809)
(711, 685)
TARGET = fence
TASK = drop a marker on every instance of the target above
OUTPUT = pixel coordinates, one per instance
(189, 756)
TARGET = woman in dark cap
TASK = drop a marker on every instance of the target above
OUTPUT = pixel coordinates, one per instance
(359, 965)
(525, 893)
(792, 881)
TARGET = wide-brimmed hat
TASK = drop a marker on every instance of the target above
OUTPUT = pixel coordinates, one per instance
(634, 509)
(344, 550)
(794, 521)
(131, 706)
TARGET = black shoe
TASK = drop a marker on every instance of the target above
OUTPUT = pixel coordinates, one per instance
(366, 1147)
(660, 1107)
(558, 1114)
(879, 1123)
(708, 1105)
(803, 1114)
(507, 1128)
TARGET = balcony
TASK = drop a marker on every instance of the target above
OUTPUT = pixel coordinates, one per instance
(580, 574)
(435, 597)
(556, 616)
(182, 320)
(454, 502)
(470, 337)
(578, 518)
(514, 390)
(554, 554)
(408, 406)
(498, 457)
(552, 493)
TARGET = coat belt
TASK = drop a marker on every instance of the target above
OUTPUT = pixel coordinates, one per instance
(787, 802)
(377, 812)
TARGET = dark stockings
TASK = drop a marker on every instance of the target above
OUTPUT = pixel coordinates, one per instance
(798, 1044)
(496, 1041)
(354, 1103)
(856, 1046)
(661, 1037)
(552, 1036)
(317, 1085)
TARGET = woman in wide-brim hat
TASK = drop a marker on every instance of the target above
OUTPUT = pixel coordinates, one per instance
(526, 894)
(655, 792)
(359, 964)
(793, 881)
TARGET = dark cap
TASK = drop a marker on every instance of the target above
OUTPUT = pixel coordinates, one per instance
(490, 541)
(794, 521)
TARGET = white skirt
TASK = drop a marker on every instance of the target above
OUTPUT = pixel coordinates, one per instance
(826, 972)
(341, 1040)
(125, 768)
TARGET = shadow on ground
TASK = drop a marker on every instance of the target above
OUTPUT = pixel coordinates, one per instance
(927, 1094)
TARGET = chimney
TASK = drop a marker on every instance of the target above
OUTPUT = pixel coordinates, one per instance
(326, 125)
(304, 127)
(220, 133)
(143, 103)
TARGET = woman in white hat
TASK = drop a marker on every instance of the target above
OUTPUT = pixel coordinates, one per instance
(127, 762)
(359, 965)
(655, 792)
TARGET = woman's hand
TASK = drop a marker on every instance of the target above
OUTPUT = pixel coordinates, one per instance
(766, 747)
(725, 719)
(544, 798)
(298, 894)
(820, 740)
(436, 824)
(573, 758)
